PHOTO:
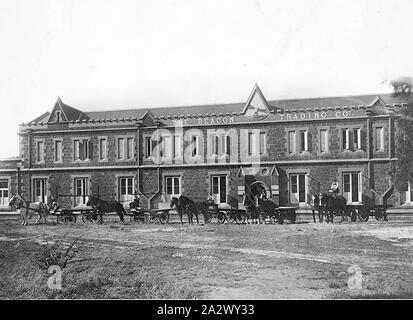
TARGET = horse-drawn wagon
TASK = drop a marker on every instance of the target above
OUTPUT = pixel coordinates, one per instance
(329, 206)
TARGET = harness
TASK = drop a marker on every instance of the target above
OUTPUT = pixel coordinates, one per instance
(27, 207)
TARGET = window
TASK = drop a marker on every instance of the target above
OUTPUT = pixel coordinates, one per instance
(219, 188)
(214, 144)
(103, 143)
(406, 193)
(303, 140)
(148, 147)
(81, 149)
(298, 193)
(291, 142)
(58, 118)
(121, 148)
(263, 143)
(126, 189)
(379, 139)
(81, 191)
(39, 151)
(58, 150)
(4, 193)
(166, 146)
(172, 187)
(345, 139)
(357, 139)
(177, 146)
(130, 149)
(323, 140)
(220, 144)
(351, 187)
(39, 190)
(251, 143)
(195, 146)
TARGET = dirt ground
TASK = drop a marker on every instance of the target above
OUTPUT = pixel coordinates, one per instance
(213, 261)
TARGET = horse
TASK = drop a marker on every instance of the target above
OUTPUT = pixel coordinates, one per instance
(27, 208)
(185, 205)
(251, 208)
(316, 205)
(103, 206)
(268, 209)
(329, 203)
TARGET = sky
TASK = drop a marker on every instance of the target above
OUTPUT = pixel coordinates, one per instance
(120, 54)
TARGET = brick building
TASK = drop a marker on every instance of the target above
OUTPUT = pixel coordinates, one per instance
(286, 149)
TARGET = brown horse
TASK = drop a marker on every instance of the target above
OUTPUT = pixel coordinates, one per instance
(185, 205)
(27, 208)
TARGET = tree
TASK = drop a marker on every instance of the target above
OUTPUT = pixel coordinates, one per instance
(401, 85)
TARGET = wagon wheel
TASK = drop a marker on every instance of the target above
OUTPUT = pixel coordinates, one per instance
(134, 218)
(353, 214)
(86, 217)
(221, 217)
(207, 218)
(96, 217)
(163, 217)
(239, 218)
(274, 218)
(61, 218)
(71, 218)
(379, 213)
(363, 214)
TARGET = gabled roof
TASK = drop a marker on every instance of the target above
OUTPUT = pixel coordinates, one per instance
(118, 114)
(69, 113)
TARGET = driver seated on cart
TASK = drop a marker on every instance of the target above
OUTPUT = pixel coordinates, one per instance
(134, 205)
(334, 189)
(54, 206)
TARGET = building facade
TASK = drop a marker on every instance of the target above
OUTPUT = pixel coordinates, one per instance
(286, 150)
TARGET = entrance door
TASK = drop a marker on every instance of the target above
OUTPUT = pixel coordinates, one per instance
(351, 187)
(125, 190)
(4, 193)
(297, 188)
(173, 187)
(219, 188)
(39, 190)
(81, 191)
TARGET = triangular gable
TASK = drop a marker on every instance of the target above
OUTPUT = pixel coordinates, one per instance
(148, 119)
(57, 114)
(256, 106)
(378, 106)
(63, 113)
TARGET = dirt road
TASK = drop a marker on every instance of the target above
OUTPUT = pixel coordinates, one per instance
(301, 261)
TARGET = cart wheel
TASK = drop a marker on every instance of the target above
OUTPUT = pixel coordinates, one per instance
(353, 215)
(135, 219)
(71, 218)
(96, 218)
(221, 217)
(163, 217)
(239, 218)
(86, 217)
(363, 214)
(61, 218)
(274, 218)
(379, 214)
(207, 218)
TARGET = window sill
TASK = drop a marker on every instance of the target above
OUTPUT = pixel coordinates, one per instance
(81, 161)
(103, 160)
